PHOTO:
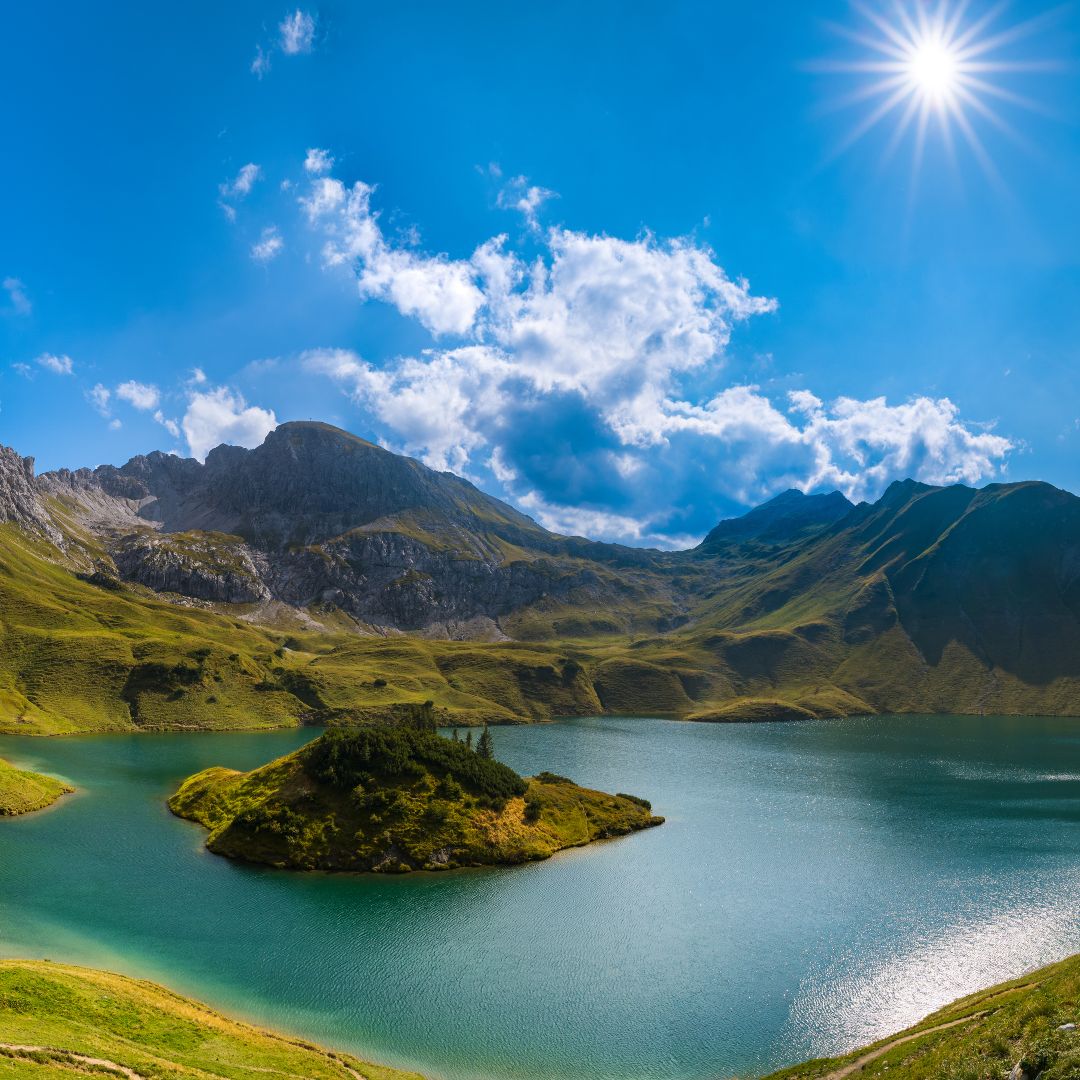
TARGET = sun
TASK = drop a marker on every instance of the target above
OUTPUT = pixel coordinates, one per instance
(933, 70)
(928, 66)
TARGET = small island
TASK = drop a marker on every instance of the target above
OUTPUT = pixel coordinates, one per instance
(24, 792)
(397, 799)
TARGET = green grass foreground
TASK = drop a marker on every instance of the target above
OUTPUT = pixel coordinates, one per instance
(57, 1022)
(24, 792)
(1019, 1025)
(394, 800)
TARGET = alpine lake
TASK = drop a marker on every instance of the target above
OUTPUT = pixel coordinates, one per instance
(816, 886)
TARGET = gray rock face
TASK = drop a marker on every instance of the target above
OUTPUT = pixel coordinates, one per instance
(206, 566)
(20, 501)
(390, 579)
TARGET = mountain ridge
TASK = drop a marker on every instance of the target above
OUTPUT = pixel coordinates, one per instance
(323, 516)
(936, 599)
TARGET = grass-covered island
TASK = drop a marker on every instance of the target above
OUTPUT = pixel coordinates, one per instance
(1023, 1029)
(24, 792)
(58, 1021)
(398, 799)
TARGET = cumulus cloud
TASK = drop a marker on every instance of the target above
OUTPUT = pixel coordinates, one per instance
(99, 396)
(58, 365)
(269, 245)
(143, 396)
(578, 382)
(442, 293)
(18, 299)
(526, 198)
(318, 161)
(297, 33)
(861, 445)
(221, 415)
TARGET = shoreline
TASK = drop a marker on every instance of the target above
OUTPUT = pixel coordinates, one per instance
(73, 1046)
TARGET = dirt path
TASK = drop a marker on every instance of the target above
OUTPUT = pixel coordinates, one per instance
(881, 1051)
(79, 1059)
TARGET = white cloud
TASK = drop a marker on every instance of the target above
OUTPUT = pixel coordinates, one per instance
(17, 296)
(115, 425)
(327, 196)
(578, 380)
(297, 33)
(58, 365)
(861, 445)
(198, 376)
(25, 370)
(442, 293)
(240, 186)
(269, 245)
(220, 416)
(574, 521)
(142, 396)
(171, 426)
(99, 397)
(526, 198)
(261, 64)
(318, 161)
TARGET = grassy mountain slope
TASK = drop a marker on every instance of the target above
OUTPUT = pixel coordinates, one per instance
(78, 656)
(397, 799)
(59, 1022)
(1012, 1030)
(24, 792)
(99, 655)
(929, 600)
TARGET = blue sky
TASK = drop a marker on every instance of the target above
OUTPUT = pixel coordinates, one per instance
(611, 261)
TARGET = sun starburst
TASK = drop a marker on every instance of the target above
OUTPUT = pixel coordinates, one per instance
(936, 67)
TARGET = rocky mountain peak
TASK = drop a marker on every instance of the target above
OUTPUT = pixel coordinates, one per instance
(19, 499)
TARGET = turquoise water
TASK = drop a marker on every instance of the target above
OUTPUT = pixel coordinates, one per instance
(815, 886)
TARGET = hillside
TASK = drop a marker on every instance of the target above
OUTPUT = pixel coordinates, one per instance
(397, 799)
(59, 1022)
(166, 595)
(24, 792)
(1022, 1030)
(82, 651)
(929, 600)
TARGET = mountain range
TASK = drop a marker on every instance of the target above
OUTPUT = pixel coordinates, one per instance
(319, 575)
